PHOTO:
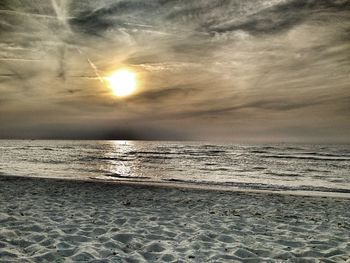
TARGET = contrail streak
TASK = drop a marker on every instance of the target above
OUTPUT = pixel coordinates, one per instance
(95, 70)
(19, 59)
(59, 7)
(93, 66)
(11, 12)
(60, 10)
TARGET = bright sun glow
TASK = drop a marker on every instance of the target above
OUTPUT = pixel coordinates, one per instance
(122, 83)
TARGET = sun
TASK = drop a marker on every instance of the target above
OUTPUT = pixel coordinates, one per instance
(122, 82)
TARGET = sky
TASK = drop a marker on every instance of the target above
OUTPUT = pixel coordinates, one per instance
(236, 70)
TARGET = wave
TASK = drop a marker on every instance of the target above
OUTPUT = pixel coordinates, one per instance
(45, 161)
(48, 149)
(116, 175)
(262, 186)
(258, 151)
(269, 147)
(211, 164)
(202, 152)
(305, 157)
(151, 152)
(313, 154)
(259, 168)
(215, 151)
(214, 169)
(326, 154)
(152, 155)
(315, 170)
(66, 147)
(283, 174)
(121, 159)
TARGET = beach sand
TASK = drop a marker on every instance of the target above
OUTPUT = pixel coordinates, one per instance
(47, 220)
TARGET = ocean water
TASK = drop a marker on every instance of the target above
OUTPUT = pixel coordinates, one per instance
(277, 167)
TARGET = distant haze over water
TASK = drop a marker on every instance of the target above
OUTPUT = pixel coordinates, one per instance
(271, 166)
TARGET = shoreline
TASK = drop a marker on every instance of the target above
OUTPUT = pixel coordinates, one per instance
(190, 186)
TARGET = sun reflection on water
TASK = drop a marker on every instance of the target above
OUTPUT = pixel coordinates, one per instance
(119, 161)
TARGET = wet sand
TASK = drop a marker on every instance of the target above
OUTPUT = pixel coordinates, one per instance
(49, 220)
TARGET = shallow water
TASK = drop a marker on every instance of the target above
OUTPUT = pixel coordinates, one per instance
(279, 167)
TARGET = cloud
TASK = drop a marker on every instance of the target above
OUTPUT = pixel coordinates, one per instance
(97, 21)
(227, 68)
(281, 17)
(163, 93)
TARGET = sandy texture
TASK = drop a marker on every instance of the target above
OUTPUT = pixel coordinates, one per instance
(46, 220)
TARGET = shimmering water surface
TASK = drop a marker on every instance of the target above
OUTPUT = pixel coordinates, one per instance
(277, 167)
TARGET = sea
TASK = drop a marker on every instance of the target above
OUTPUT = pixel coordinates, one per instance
(272, 167)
